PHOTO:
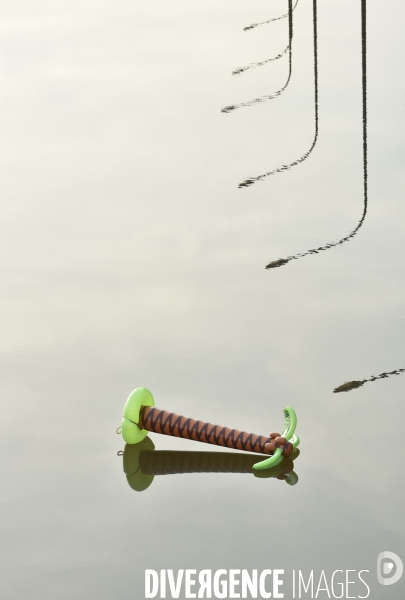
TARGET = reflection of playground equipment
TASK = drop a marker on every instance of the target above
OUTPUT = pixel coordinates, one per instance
(240, 70)
(141, 416)
(282, 261)
(142, 463)
(352, 385)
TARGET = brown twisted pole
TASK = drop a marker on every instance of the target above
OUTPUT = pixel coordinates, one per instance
(141, 415)
(168, 423)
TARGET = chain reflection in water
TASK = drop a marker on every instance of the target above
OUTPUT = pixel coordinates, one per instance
(352, 385)
(230, 108)
(142, 463)
(240, 70)
(264, 62)
(251, 180)
(254, 25)
(283, 261)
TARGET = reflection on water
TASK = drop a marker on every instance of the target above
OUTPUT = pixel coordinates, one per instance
(232, 107)
(251, 180)
(141, 463)
(352, 385)
(283, 261)
(267, 22)
(240, 70)
(288, 47)
(125, 258)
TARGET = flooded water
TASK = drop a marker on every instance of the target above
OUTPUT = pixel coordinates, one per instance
(205, 199)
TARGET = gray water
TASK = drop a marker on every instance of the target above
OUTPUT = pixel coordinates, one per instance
(130, 257)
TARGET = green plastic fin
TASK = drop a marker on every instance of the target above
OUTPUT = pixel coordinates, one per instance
(290, 423)
(295, 440)
(131, 432)
(139, 398)
(284, 467)
(270, 462)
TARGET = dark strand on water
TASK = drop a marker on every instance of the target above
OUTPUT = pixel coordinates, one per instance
(352, 385)
(267, 22)
(283, 261)
(251, 180)
(241, 70)
(232, 107)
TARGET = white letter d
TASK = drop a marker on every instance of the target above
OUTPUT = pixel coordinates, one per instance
(151, 577)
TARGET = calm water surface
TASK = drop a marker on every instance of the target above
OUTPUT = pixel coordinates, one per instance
(130, 257)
